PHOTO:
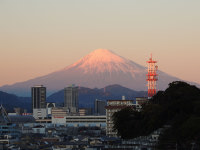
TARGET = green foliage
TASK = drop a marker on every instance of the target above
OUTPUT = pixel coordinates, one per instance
(178, 106)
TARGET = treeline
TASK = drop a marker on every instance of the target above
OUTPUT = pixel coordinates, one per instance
(178, 107)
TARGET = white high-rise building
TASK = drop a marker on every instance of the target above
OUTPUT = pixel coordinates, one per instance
(71, 99)
(112, 107)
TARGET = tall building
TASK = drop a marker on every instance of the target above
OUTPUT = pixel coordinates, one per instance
(38, 97)
(112, 107)
(99, 107)
(71, 99)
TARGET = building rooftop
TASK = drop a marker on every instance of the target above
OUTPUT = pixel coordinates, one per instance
(120, 100)
(38, 86)
(21, 119)
(118, 107)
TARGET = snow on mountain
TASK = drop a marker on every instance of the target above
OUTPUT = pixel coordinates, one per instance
(98, 69)
(102, 60)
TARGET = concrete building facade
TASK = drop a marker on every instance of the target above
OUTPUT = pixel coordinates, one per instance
(85, 111)
(59, 115)
(38, 94)
(71, 99)
(99, 107)
(99, 121)
(112, 107)
(49, 108)
(40, 113)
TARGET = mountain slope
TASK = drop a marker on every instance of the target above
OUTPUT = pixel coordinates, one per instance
(98, 69)
(87, 96)
(10, 101)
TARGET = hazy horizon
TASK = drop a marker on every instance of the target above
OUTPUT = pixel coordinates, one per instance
(40, 37)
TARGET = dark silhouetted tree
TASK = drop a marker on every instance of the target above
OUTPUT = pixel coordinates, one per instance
(178, 106)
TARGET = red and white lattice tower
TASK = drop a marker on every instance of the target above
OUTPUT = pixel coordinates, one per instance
(152, 77)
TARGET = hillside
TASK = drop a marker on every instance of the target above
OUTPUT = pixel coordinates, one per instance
(87, 96)
(10, 101)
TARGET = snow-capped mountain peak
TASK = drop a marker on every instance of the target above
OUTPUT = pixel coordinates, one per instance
(98, 69)
(102, 55)
(103, 60)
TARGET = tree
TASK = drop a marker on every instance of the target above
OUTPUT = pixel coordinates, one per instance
(178, 106)
(124, 122)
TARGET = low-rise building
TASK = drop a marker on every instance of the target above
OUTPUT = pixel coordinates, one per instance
(59, 115)
(85, 111)
(99, 121)
(39, 129)
(62, 116)
(40, 113)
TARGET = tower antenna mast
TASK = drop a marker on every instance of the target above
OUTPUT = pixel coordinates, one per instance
(152, 77)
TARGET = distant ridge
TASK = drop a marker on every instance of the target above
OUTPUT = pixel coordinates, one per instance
(87, 96)
(99, 68)
(10, 101)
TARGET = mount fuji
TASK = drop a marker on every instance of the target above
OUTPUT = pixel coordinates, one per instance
(98, 69)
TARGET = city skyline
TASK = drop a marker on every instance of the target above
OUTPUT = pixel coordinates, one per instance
(38, 38)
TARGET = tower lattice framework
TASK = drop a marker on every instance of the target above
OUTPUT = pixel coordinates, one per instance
(152, 77)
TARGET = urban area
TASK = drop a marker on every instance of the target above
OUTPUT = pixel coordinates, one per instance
(69, 127)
